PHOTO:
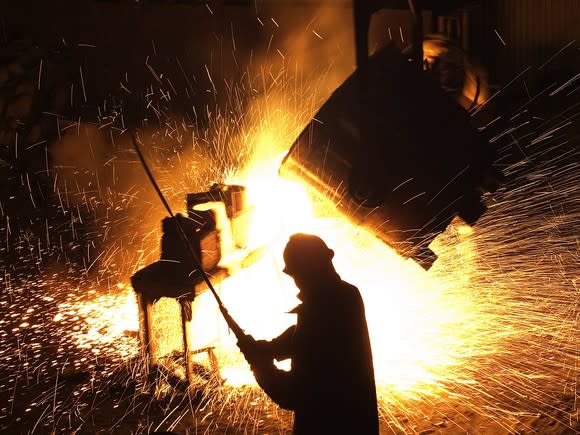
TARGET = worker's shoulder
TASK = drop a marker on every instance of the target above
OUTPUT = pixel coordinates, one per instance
(350, 291)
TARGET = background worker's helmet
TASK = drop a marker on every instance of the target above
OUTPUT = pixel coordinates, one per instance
(306, 253)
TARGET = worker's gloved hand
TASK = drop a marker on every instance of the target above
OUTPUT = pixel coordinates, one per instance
(256, 352)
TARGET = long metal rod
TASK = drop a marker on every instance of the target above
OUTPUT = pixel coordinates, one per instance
(232, 324)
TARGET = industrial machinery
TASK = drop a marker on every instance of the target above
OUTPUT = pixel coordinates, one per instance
(392, 151)
(215, 226)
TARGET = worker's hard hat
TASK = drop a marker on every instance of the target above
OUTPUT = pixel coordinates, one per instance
(306, 252)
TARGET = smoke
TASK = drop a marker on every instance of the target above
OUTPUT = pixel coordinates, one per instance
(304, 53)
(316, 38)
(79, 155)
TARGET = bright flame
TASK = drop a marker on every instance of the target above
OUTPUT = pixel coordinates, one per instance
(424, 326)
(420, 325)
(281, 207)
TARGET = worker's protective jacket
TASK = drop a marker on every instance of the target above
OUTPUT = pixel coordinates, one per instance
(331, 386)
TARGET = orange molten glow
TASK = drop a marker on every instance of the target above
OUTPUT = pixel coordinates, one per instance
(421, 326)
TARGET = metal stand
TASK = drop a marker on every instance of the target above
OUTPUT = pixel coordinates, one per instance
(148, 345)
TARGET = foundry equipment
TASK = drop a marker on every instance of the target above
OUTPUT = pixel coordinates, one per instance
(392, 151)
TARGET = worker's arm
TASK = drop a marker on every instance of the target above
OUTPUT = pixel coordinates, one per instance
(277, 384)
(281, 346)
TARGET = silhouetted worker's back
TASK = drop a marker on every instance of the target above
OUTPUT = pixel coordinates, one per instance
(331, 386)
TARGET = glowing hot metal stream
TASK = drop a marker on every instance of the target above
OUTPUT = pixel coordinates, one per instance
(421, 325)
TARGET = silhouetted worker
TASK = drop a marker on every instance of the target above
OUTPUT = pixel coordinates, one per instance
(331, 385)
